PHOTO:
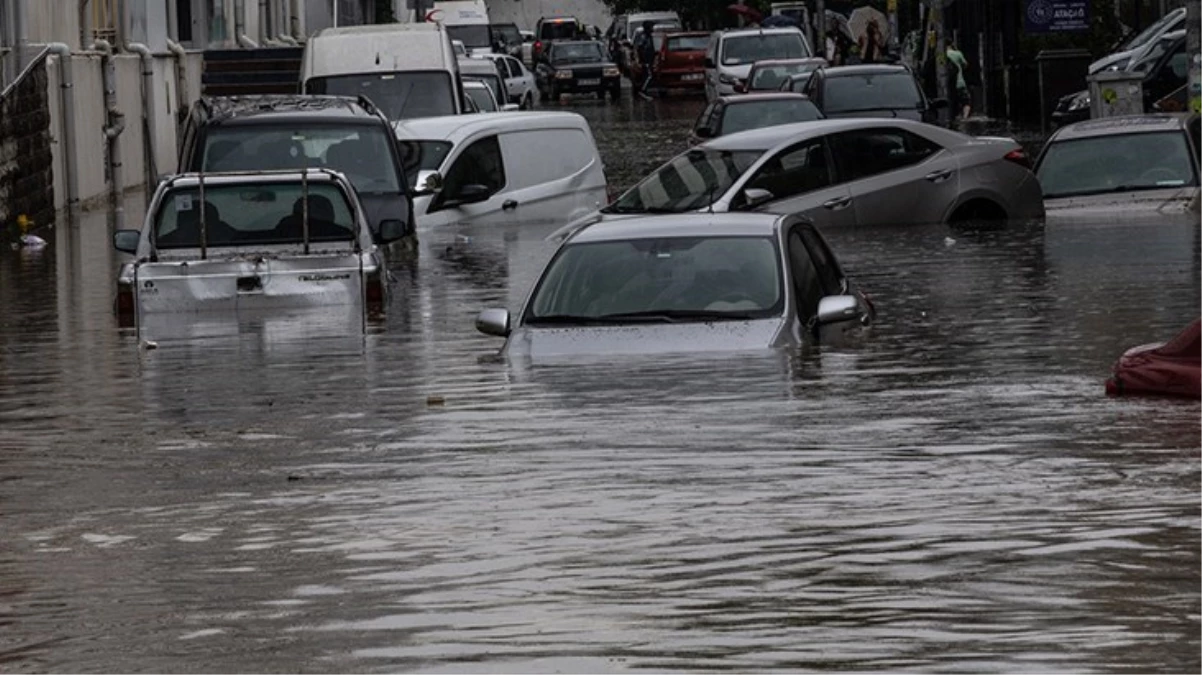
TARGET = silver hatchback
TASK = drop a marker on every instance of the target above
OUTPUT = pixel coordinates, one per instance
(697, 282)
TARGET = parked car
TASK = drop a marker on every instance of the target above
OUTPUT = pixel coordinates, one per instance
(695, 282)
(1122, 167)
(289, 132)
(518, 81)
(731, 53)
(797, 83)
(622, 31)
(269, 240)
(549, 30)
(871, 90)
(678, 62)
(527, 167)
(732, 114)
(346, 61)
(480, 97)
(841, 173)
(1172, 368)
(1121, 56)
(506, 39)
(486, 71)
(770, 74)
(580, 67)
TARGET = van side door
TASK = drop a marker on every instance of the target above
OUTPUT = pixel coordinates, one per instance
(473, 188)
(553, 176)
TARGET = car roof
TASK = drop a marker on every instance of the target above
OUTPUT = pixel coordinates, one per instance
(767, 138)
(474, 66)
(269, 107)
(748, 224)
(742, 32)
(562, 43)
(768, 63)
(864, 69)
(314, 175)
(1125, 124)
(450, 127)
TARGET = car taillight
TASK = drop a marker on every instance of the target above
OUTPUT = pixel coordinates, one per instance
(1019, 157)
(538, 47)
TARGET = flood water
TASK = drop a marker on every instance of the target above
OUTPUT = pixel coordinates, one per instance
(952, 493)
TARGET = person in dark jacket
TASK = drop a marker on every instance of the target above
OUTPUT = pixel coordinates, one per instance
(644, 47)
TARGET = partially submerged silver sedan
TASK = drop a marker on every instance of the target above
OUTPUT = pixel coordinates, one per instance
(258, 241)
(697, 282)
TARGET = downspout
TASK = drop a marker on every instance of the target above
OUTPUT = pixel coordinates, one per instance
(67, 103)
(114, 125)
(294, 20)
(264, 29)
(240, 26)
(182, 101)
(148, 107)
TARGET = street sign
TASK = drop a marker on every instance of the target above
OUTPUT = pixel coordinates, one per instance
(1056, 16)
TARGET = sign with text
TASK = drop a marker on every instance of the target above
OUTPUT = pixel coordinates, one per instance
(1056, 16)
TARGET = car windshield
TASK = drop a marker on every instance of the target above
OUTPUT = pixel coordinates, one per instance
(484, 102)
(851, 93)
(472, 35)
(1119, 163)
(492, 81)
(557, 30)
(360, 151)
(687, 182)
(507, 33)
(688, 43)
(422, 156)
(745, 114)
(576, 53)
(400, 95)
(665, 279)
(253, 214)
(744, 49)
(771, 76)
(1150, 54)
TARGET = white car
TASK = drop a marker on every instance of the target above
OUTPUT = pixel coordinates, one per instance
(519, 81)
(527, 167)
(480, 98)
(731, 53)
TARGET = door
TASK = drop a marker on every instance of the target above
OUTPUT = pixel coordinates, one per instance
(802, 182)
(553, 176)
(474, 186)
(895, 176)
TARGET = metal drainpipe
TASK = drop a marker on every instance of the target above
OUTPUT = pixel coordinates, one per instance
(67, 104)
(182, 102)
(149, 126)
(264, 29)
(114, 125)
(240, 36)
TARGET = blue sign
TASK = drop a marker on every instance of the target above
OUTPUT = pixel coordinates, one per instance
(1056, 16)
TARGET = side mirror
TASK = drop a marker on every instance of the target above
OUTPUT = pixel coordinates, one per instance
(753, 197)
(428, 182)
(493, 322)
(703, 132)
(126, 241)
(835, 308)
(510, 107)
(709, 63)
(938, 103)
(472, 193)
(391, 230)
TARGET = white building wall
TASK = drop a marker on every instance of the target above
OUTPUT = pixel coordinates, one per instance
(527, 12)
(52, 21)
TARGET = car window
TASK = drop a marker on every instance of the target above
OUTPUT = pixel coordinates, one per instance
(481, 98)
(868, 152)
(1116, 163)
(557, 30)
(687, 182)
(796, 170)
(543, 156)
(422, 156)
(576, 52)
(771, 77)
(747, 113)
(479, 163)
(400, 95)
(515, 68)
(807, 284)
(829, 275)
(688, 43)
(743, 49)
(492, 81)
(705, 119)
(851, 93)
(1151, 54)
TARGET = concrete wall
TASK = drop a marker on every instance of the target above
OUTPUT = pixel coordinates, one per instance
(52, 21)
(527, 13)
(26, 173)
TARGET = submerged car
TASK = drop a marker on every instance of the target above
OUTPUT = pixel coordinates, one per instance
(263, 241)
(1172, 368)
(732, 114)
(679, 61)
(771, 74)
(843, 172)
(696, 282)
(871, 90)
(1137, 166)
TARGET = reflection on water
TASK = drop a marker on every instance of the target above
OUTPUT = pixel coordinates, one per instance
(954, 493)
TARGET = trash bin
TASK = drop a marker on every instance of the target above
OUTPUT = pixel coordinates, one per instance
(1113, 93)
(1061, 72)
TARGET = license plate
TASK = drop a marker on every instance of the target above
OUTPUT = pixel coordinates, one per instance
(691, 77)
(588, 83)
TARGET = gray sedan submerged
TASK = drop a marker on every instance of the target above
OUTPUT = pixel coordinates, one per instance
(696, 282)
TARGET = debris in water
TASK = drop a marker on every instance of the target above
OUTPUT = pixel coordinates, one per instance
(435, 400)
(949, 242)
(149, 344)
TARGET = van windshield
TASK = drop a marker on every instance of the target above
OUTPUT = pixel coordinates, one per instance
(359, 151)
(472, 35)
(400, 95)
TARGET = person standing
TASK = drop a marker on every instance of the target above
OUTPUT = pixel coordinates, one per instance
(644, 47)
(963, 101)
(871, 43)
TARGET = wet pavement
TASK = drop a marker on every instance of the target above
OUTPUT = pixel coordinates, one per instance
(289, 493)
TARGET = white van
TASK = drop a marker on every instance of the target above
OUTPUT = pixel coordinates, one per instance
(408, 70)
(731, 53)
(467, 21)
(494, 168)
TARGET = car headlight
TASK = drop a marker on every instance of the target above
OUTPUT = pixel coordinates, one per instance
(1079, 103)
(727, 79)
(563, 74)
(610, 72)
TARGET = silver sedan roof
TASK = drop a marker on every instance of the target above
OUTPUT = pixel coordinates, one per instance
(681, 225)
(767, 138)
(1125, 124)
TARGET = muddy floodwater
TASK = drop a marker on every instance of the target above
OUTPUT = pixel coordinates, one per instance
(292, 493)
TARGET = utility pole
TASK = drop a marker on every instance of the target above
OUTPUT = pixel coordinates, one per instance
(1193, 47)
(820, 22)
(891, 8)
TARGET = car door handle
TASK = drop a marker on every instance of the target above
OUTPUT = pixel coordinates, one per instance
(837, 203)
(938, 176)
(509, 205)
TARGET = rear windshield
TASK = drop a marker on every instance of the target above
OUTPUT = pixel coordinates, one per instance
(483, 101)
(745, 49)
(507, 33)
(253, 215)
(850, 93)
(422, 156)
(400, 95)
(361, 152)
(688, 43)
(558, 30)
(772, 76)
(582, 52)
(745, 115)
(472, 35)
(493, 82)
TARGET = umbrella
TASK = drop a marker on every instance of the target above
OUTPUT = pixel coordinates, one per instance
(837, 22)
(746, 12)
(778, 20)
(861, 17)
